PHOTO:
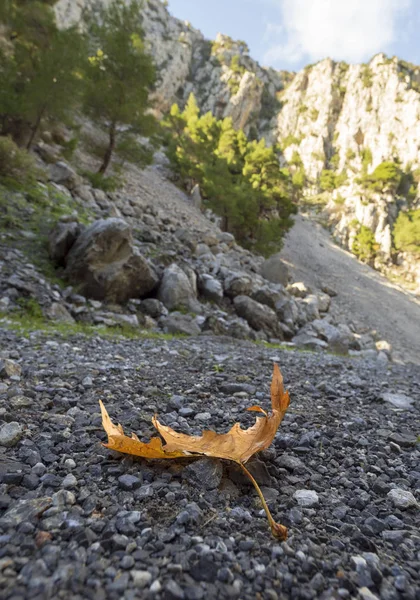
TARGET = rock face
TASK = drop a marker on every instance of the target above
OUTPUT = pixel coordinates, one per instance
(106, 265)
(346, 119)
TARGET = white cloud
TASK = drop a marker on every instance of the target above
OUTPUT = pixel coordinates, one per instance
(351, 30)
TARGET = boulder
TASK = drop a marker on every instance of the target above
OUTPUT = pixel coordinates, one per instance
(337, 341)
(237, 283)
(63, 174)
(259, 316)
(106, 266)
(210, 288)
(287, 310)
(61, 240)
(176, 290)
(153, 308)
(311, 306)
(195, 196)
(275, 269)
(58, 312)
(268, 296)
(181, 324)
(309, 342)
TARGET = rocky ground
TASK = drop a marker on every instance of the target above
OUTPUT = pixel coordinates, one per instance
(314, 258)
(78, 521)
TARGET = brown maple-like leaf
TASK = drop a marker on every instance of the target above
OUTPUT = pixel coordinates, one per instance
(132, 445)
(238, 444)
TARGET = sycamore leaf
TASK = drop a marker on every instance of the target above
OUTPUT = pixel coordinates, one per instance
(238, 444)
(122, 443)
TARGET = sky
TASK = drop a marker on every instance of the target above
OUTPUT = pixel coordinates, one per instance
(288, 34)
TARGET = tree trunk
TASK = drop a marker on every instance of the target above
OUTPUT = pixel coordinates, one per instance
(35, 128)
(109, 150)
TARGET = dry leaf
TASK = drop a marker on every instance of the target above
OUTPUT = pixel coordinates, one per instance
(122, 443)
(237, 445)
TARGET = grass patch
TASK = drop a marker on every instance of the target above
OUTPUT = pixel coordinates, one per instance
(24, 322)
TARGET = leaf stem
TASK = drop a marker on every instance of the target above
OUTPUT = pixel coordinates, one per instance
(278, 530)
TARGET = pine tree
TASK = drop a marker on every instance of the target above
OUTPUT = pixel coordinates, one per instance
(40, 75)
(119, 75)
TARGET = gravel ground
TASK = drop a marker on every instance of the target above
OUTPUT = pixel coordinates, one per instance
(78, 521)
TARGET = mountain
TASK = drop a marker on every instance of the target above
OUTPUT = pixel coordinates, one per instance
(336, 124)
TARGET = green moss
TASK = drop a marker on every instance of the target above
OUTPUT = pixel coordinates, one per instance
(314, 114)
(302, 109)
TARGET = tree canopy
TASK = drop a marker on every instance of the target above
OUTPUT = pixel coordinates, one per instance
(240, 180)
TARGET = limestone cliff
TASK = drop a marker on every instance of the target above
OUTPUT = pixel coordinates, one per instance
(334, 117)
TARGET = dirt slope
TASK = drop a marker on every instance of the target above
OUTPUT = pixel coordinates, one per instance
(365, 294)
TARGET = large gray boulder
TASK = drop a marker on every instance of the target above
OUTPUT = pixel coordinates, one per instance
(238, 283)
(177, 290)
(259, 316)
(105, 265)
(275, 269)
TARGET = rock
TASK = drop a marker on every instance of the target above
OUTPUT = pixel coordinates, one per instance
(10, 434)
(291, 463)
(206, 473)
(106, 266)
(324, 302)
(176, 291)
(61, 240)
(141, 579)
(63, 174)
(69, 482)
(304, 340)
(275, 269)
(258, 316)
(402, 499)
(196, 196)
(129, 482)
(210, 288)
(328, 290)
(226, 238)
(306, 498)
(268, 296)
(332, 335)
(311, 305)
(398, 400)
(153, 308)
(404, 439)
(299, 290)
(237, 284)
(9, 368)
(179, 323)
(25, 510)
(58, 312)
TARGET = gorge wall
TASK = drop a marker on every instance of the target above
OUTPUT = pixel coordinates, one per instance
(332, 121)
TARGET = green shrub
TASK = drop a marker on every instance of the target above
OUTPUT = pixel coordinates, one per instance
(385, 178)
(350, 154)
(367, 76)
(289, 140)
(364, 245)
(17, 166)
(302, 109)
(329, 180)
(339, 200)
(99, 181)
(314, 114)
(407, 231)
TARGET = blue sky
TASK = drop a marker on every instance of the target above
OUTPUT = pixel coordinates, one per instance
(287, 34)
